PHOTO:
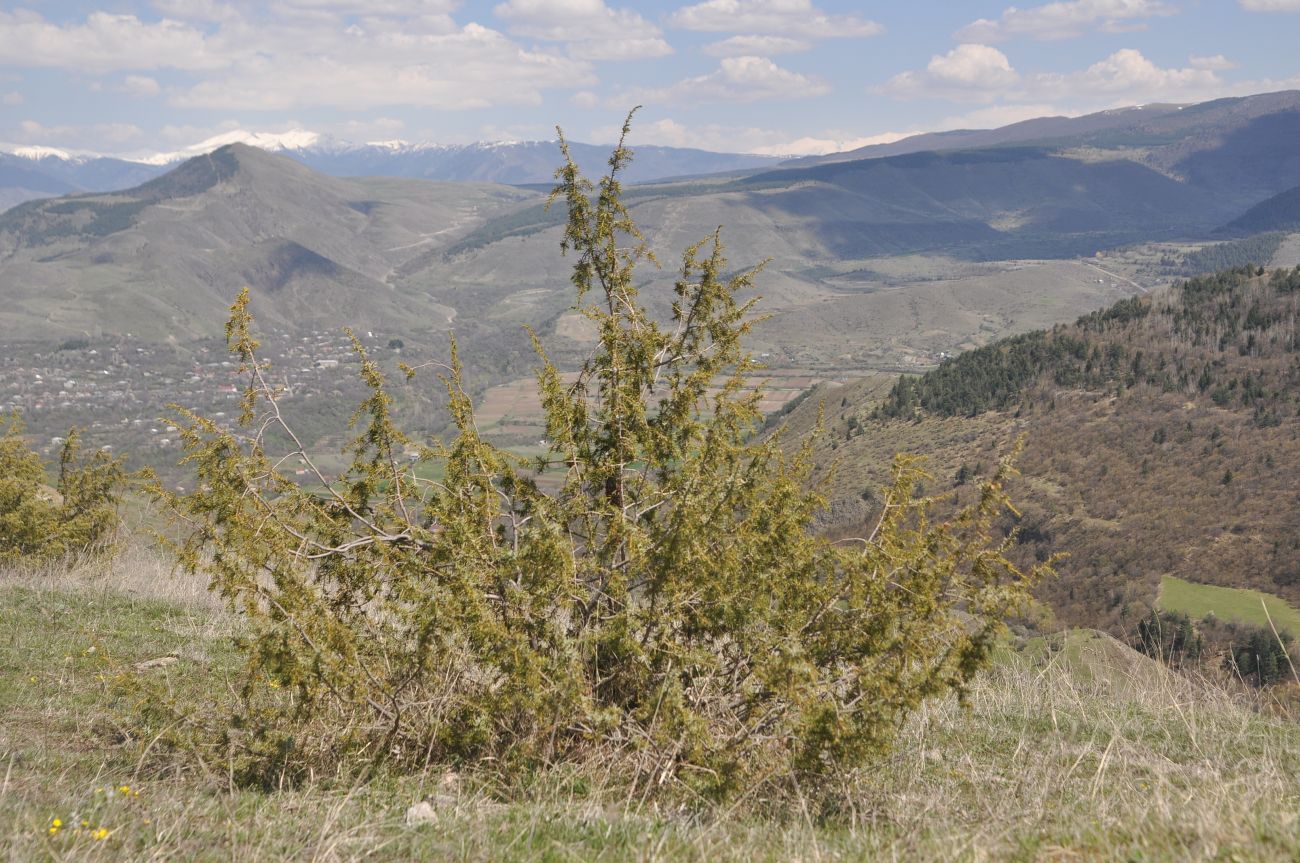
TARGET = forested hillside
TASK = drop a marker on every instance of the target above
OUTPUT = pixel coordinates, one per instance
(1162, 438)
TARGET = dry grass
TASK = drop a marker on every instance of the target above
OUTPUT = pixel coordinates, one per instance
(138, 570)
(1071, 748)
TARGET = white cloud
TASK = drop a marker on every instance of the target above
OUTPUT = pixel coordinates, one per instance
(1217, 62)
(308, 53)
(103, 42)
(996, 116)
(399, 8)
(744, 139)
(584, 99)
(751, 46)
(1065, 19)
(1271, 5)
(814, 146)
(592, 30)
(197, 10)
(979, 73)
(737, 79)
(378, 129)
(473, 68)
(514, 132)
(14, 98)
(793, 18)
(967, 72)
(31, 131)
(140, 85)
(188, 134)
(1127, 77)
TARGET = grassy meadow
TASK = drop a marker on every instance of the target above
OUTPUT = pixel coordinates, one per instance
(1228, 603)
(1071, 748)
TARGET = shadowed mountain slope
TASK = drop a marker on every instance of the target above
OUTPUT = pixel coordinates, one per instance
(1172, 131)
(1279, 213)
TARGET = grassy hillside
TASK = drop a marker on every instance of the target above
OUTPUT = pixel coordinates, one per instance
(1072, 747)
(1161, 439)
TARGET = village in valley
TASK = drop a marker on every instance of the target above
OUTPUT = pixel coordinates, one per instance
(131, 388)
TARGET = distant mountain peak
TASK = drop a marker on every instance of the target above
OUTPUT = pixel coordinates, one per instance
(38, 152)
(291, 139)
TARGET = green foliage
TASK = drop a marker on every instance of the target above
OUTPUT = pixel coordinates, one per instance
(666, 603)
(38, 522)
(1260, 656)
(1169, 636)
(1258, 249)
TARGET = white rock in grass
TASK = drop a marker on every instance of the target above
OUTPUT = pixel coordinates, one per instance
(421, 813)
(160, 662)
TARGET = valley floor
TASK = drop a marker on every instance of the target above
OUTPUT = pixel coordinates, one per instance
(1071, 748)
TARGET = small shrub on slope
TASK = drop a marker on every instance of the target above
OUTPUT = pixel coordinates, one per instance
(37, 522)
(666, 605)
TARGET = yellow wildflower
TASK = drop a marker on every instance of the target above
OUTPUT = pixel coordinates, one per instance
(57, 822)
(101, 833)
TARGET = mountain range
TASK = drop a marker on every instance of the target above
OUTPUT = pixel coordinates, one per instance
(27, 173)
(1236, 146)
(863, 252)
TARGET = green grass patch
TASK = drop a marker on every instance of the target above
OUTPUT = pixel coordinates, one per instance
(1227, 603)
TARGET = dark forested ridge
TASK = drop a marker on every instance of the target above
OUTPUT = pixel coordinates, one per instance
(1197, 321)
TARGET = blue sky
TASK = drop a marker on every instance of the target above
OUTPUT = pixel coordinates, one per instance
(778, 76)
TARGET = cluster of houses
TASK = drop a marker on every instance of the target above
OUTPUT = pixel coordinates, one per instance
(115, 391)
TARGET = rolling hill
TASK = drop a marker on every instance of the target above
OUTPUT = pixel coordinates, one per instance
(164, 259)
(1161, 440)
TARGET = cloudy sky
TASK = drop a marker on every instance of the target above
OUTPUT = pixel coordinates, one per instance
(778, 76)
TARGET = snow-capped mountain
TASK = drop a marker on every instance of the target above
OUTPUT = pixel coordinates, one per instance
(45, 172)
(28, 172)
(293, 139)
